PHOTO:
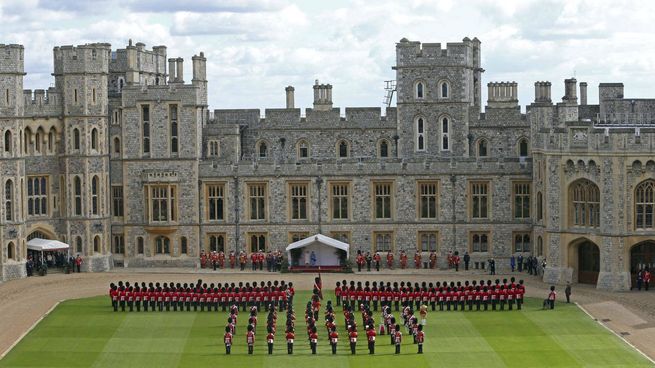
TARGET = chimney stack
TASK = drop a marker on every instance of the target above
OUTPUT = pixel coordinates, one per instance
(583, 93)
(171, 70)
(570, 91)
(290, 98)
(180, 70)
(322, 97)
(542, 92)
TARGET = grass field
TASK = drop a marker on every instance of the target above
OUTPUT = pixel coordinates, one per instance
(87, 333)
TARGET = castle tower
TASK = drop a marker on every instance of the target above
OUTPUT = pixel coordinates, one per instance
(12, 70)
(438, 90)
(81, 78)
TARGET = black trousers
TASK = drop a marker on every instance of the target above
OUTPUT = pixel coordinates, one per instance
(270, 348)
(371, 347)
(397, 348)
(122, 305)
(228, 348)
(334, 348)
(114, 304)
(289, 348)
(420, 348)
(138, 305)
(313, 346)
(250, 349)
(353, 345)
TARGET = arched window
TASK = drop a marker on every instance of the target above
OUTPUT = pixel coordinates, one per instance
(343, 149)
(94, 139)
(139, 245)
(445, 134)
(95, 184)
(76, 139)
(117, 145)
(51, 140)
(27, 138)
(584, 203)
(482, 148)
(38, 137)
(523, 147)
(78, 244)
(77, 184)
(184, 246)
(420, 134)
(303, 149)
(9, 200)
(8, 141)
(262, 150)
(644, 205)
(217, 243)
(11, 251)
(162, 245)
(540, 206)
(419, 91)
(383, 149)
(96, 244)
(444, 89)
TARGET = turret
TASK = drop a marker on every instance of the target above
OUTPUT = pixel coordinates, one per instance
(12, 70)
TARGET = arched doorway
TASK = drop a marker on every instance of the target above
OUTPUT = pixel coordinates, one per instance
(588, 262)
(642, 256)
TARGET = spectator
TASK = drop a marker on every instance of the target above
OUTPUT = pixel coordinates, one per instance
(646, 278)
(467, 260)
(512, 262)
(567, 292)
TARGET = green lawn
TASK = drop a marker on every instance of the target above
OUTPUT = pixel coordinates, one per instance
(87, 333)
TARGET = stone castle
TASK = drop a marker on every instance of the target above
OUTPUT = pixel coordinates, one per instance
(123, 160)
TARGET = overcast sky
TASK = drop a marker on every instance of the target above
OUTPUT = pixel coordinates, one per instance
(257, 47)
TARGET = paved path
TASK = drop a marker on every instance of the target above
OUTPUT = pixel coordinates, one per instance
(23, 302)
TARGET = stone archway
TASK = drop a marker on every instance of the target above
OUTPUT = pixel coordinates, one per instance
(584, 259)
(642, 255)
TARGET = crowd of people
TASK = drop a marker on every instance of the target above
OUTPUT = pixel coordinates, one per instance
(200, 296)
(481, 295)
(643, 278)
(217, 260)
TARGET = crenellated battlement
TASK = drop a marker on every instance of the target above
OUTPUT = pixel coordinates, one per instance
(415, 53)
(87, 58)
(40, 97)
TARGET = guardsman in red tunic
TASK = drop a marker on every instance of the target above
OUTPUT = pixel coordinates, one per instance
(397, 338)
(122, 295)
(227, 340)
(334, 339)
(313, 340)
(137, 298)
(389, 260)
(242, 260)
(353, 339)
(254, 260)
(214, 258)
(360, 260)
(233, 259)
(203, 259)
(420, 338)
(417, 260)
(370, 335)
(337, 293)
(130, 298)
(377, 259)
(113, 294)
(250, 339)
(290, 337)
(221, 259)
(269, 339)
(403, 259)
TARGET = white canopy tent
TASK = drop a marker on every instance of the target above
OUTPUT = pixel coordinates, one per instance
(323, 247)
(44, 245)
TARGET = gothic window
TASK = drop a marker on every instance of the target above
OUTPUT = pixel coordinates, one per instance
(584, 204)
(427, 198)
(445, 134)
(339, 200)
(479, 242)
(78, 244)
(383, 149)
(174, 132)
(76, 139)
(540, 206)
(303, 149)
(162, 203)
(96, 244)
(184, 245)
(162, 245)
(428, 241)
(145, 122)
(27, 135)
(523, 147)
(216, 242)
(262, 150)
(644, 205)
(383, 198)
(117, 145)
(117, 200)
(8, 141)
(37, 196)
(37, 140)
(94, 139)
(383, 242)
(420, 134)
(258, 242)
(482, 148)
(522, 242)
(95, 187)
(119, 244)
(419, 90)
(9, 200)
(299, 198)
(11, 251)
(257, 200)
(77, 184)
(343, 149)
(140, 245)
(479, 200)
(444, 89)
(215, 202)
(521, 195)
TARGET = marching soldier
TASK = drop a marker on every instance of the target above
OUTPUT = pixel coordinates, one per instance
(227, 340)
(353, 339)
(313, 340)
(398, 338)
(334, 338)
(290, 336)
(270, 338)
(370, 334)
(420, 337)
(250, 339)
